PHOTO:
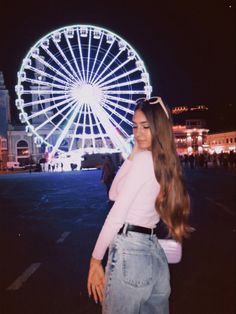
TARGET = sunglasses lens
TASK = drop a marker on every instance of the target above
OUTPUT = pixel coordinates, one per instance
(153, 100)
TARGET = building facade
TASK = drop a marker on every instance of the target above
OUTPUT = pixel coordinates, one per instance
(191, 138)
(4, 122)
(222, 142)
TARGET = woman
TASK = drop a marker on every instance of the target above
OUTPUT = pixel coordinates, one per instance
(148, 186)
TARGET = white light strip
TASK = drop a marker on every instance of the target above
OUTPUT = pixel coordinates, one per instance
(113, 134)
(61, 66)
(116, 105)
(91, 126)
(53, 78)
(122, 84)
(126, 135)
(42, 92)
(74, 58)
(66, 129)
(66, 60)
(101, 63)
(81, 54)
(45, 83)
(124, 92)
(101, 134)
(43, 101)
(52, 117)
(88, 136)
(60, 122)
(88, 60)
(84, 125)
(107, 67)
(38, 113)
(117, 77)
(119, 99)
(95, 59)
(75, 129)
(118, 115)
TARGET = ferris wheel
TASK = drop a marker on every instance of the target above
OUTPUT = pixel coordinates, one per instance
(76, 90)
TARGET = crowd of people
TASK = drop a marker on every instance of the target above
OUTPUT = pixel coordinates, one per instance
(222, 160)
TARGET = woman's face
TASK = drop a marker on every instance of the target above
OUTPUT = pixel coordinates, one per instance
(141, 130)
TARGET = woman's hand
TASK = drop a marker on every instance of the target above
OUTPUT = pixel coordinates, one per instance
(96, 280)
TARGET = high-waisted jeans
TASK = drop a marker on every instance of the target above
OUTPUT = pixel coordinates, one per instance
(137, 276)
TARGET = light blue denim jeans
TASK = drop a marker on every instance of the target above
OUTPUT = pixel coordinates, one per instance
(137, 276)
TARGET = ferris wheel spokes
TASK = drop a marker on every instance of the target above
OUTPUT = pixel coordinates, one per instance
(123, 92)
(84, 126)
(44, 74)
(118, 115)
(42, 92)
(50, 118)
(109, 87)
(118, 126)
(117, 106)
(101, 63)
(63, 134)
(101, 133)
(95, 79)
(96, 56)
(43, 101)
(69, 78)
(88, 59)
(91, 126)
(45, 83)
(115, 122)
(83, 82)
(119, 99)
(56, 126)
(126, 74)
(115, 137)
(75, 129)
(74, 58)
(66, 61)
(49, 108)
(81, 54)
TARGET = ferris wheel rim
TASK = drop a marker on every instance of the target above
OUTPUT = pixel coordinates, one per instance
(106, 91)
(82, 25)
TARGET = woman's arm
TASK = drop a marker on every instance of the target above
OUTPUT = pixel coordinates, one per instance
(135, 179)
(122, 172)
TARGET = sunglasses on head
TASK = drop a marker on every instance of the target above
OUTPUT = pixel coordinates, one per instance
(153, 101)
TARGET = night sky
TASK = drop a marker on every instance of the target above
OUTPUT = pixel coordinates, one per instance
(187, 46)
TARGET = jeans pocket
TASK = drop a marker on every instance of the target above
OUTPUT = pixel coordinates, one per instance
(137, 268)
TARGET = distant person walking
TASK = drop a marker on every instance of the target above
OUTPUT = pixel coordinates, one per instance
(191, 161)
(108, 172)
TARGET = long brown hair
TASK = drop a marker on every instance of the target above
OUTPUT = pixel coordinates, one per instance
(172, 203)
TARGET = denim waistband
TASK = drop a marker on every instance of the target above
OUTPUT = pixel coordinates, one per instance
(133, 228)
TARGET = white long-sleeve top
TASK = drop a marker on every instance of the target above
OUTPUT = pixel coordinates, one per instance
(134, 190)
